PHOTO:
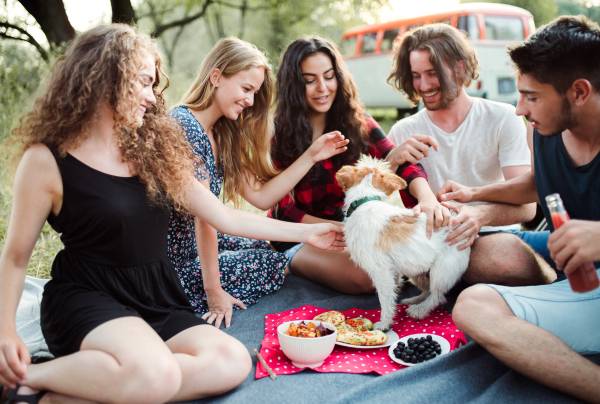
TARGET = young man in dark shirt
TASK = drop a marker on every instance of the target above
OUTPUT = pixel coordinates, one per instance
(540, 331)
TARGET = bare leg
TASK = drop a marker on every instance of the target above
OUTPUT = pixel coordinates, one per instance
(211, 362)
(504, 259)
(334, 269)
(121, 361)
(483, 314)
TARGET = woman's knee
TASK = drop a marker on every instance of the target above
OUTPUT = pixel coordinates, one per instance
(229, 361)
(234, 359)
(153, 379)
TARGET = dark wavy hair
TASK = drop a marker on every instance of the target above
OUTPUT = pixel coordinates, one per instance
(561, 52)
(293, 131)
(446, 45)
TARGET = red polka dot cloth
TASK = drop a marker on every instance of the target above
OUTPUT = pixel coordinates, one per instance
(354, 360)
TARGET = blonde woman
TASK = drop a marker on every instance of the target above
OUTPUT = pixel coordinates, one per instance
(225, 115)
(102, 161)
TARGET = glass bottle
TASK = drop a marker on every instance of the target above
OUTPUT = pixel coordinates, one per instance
(584, 278)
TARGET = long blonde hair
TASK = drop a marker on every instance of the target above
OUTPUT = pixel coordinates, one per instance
(245, 142)
(102, 64)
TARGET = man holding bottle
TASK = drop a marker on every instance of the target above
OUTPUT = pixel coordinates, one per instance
(540, 331)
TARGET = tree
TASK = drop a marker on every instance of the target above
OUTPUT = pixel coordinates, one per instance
(570, 7)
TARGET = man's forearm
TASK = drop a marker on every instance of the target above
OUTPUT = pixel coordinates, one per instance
(502, 214)
(517, 191)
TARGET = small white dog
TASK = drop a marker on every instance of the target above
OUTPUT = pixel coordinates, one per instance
(390, 242)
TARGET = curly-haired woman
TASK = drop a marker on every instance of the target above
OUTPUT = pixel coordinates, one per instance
(315, 95)
(102, 161)
(225, 116)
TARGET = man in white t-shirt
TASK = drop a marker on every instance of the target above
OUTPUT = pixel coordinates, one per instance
(475, 142)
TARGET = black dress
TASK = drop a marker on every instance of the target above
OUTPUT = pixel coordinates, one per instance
(114, 263)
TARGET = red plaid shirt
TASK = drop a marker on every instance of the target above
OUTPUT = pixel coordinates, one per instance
(318, 193)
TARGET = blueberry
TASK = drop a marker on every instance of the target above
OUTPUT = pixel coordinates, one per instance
(433, 355)
(410, 340)
(427, 357)
(429, 338)
(420, 359)
(413, 359)
(426, 344)
(409, 352)
(438, 350)
(401, 345)
(420, 348)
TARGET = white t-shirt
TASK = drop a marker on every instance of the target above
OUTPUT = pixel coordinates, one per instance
(492, 136)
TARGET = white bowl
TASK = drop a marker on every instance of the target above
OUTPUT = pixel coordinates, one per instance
(306, 352)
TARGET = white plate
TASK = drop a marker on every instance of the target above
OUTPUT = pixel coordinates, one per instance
(444, 345)
(392, 338)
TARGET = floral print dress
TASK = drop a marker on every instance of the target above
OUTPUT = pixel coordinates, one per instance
(249, 269)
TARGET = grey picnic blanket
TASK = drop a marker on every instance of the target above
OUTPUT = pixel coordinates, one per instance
(28, 318)
(467, 375)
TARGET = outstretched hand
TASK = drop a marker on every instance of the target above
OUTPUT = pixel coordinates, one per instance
(412, 150)
(453, 191)
(220, 306)
(466, 225)
(437, 214)
(327, 146)
(14, 359)
(325, 236)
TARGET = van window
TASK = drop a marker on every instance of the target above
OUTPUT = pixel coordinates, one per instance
(388, 39)
(349, 46)
(503, 28)
(473, 27)
(369, 42)
(461, 24)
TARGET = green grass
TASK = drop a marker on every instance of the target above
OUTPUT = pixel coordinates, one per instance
(48, 244)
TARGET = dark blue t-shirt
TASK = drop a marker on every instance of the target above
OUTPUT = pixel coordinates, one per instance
(579, 187)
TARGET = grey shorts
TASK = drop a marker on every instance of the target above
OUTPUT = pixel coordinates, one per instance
(572, 317)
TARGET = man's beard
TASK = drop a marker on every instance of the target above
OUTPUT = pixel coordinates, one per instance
(566, 120)
(444, 100)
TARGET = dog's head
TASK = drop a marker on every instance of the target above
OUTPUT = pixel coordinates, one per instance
(383, 177)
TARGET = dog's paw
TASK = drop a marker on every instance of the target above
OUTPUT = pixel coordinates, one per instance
(381, 326)
(418, 312)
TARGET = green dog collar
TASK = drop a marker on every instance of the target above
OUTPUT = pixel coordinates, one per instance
(354, 205)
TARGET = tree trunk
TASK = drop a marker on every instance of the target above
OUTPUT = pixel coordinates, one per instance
(122, 11)
(53, 20)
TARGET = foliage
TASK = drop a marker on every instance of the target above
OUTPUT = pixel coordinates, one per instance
(21, 72)
(570, 7)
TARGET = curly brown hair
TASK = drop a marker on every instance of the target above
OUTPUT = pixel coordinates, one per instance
(102, 64)
(293, 130)
(446, 45)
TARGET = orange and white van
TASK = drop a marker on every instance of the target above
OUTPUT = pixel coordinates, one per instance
(491, 28)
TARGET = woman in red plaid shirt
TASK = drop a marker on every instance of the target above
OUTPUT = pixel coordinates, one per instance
(317, 95)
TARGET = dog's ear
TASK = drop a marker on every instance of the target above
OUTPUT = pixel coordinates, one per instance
(346, 177)
(388, 182)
